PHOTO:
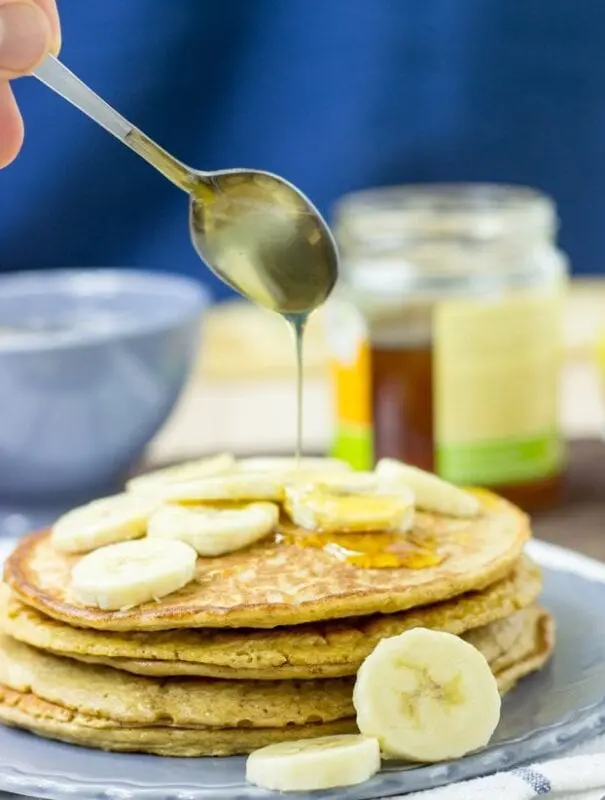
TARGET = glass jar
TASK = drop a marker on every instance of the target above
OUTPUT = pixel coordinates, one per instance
(446, 334)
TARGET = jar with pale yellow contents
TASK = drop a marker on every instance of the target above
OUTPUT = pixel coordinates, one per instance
(445, 333)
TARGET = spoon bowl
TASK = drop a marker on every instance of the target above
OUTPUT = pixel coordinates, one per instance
(263, 237)
(256, 231)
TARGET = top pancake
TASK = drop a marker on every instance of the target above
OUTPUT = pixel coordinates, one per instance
(276, 583)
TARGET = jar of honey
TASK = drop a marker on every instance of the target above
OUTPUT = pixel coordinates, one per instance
(446, 331)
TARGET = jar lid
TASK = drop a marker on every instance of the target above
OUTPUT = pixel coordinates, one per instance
(478, 211)
(445, 238)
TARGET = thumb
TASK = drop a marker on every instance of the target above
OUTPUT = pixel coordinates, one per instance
(25, 37)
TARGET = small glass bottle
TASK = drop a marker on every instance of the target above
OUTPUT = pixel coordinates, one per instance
(446, 335)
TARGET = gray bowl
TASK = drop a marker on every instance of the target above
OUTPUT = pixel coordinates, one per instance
(91, 364)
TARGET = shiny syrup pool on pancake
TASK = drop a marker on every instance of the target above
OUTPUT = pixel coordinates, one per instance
(369, 550)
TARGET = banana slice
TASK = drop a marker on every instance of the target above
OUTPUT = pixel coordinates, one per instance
(238, 487)
(102, 522)
(131, 573)
(305, 464)
(358, 501)
(432, 493)
(324, 763)
(190, 470)
(214, 531)
(426, 696)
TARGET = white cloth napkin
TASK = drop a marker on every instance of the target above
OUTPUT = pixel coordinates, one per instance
(577, 775)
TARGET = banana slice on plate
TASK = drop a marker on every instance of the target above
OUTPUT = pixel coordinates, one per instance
(189, 470)
(431, 492)
(131, 573)
(309, 765)
(359, 501)
(102, 522)
(426, 696)
(231, 487)
(214, 531)
(284, 464)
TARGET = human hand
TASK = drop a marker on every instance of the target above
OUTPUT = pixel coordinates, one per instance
(29, 30)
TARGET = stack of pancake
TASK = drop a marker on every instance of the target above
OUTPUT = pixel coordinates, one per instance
(264, 645)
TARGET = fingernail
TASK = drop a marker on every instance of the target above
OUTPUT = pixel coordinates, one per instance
(24, 36)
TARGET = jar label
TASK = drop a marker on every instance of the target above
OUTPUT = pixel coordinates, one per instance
(349, 345)
(496, 368)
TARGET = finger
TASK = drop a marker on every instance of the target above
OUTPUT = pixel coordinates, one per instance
(50, 9)
(25, 37)
(11, 126)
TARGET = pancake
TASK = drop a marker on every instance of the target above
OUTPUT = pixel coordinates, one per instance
(278, 582)
(26, 706)
(25, 710)
(205, 702)
(529, 653)
(331, 649)
(181, 702)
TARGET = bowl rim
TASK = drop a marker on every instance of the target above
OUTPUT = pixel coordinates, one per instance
(193, 297)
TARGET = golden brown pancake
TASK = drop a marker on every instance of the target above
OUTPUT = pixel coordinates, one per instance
(528, 654)
(183, 702)
(277, 582)
(331, 649)
(204, 702)
(25, 710)
(104, 708)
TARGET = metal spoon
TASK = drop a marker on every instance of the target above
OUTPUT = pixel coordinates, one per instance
(255, 230)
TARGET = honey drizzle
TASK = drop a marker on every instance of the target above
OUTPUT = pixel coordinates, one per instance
(371, 550)
(298, 323)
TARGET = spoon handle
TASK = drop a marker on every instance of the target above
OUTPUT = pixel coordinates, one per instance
(57, 77)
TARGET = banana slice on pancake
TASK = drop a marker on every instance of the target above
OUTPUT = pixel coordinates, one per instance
(327, 762)
(426, 696)
(214, 531)
(131, 573)
(356, 501)
(189, 470)
(102, 522)
(431, 492)
(237, 487)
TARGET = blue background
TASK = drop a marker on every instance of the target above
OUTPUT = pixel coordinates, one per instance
(333, 94)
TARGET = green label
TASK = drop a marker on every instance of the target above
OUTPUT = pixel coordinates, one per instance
(499, 462)
(354, 444)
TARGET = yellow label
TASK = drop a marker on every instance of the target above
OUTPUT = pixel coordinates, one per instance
(496, 368)
(352, 396)
(351, 384)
